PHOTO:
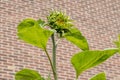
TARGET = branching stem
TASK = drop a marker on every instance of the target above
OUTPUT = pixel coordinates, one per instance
(53, 70)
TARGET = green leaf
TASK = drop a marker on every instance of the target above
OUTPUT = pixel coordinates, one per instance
(87, 59)
(100, 76)
(118, 43)
(41, 22)
(75, 37)
(43, 78)
(27, 74)
(48, 77)
(30, 31)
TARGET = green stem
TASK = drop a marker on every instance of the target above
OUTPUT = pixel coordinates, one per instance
(76, 79)
(53, 70)
(54, 55)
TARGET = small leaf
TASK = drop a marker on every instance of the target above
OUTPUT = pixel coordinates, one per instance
(27, 74)
(30, 31)
(100, 76)
(118, 43)
(87, 59)
(41, 23)
(75, 37)
(49, 77)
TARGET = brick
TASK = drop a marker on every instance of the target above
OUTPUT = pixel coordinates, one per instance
(98, 20)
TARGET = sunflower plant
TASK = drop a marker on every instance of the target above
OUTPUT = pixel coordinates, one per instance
(59, 24)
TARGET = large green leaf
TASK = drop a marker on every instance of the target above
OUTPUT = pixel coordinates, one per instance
(100, 76)
(75, 37)
(87, 59)
(27, 74)
(30, 31)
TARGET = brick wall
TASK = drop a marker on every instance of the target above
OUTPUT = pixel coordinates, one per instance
(98, 20)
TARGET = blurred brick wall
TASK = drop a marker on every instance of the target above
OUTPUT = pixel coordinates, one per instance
(98, 20)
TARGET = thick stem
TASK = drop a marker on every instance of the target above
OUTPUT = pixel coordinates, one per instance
(53, 70)
(54, 55)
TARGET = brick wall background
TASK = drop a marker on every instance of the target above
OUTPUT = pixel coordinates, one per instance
(98, 20)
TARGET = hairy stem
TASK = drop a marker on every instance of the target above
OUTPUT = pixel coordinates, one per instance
(54, 55)
(53, 70)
